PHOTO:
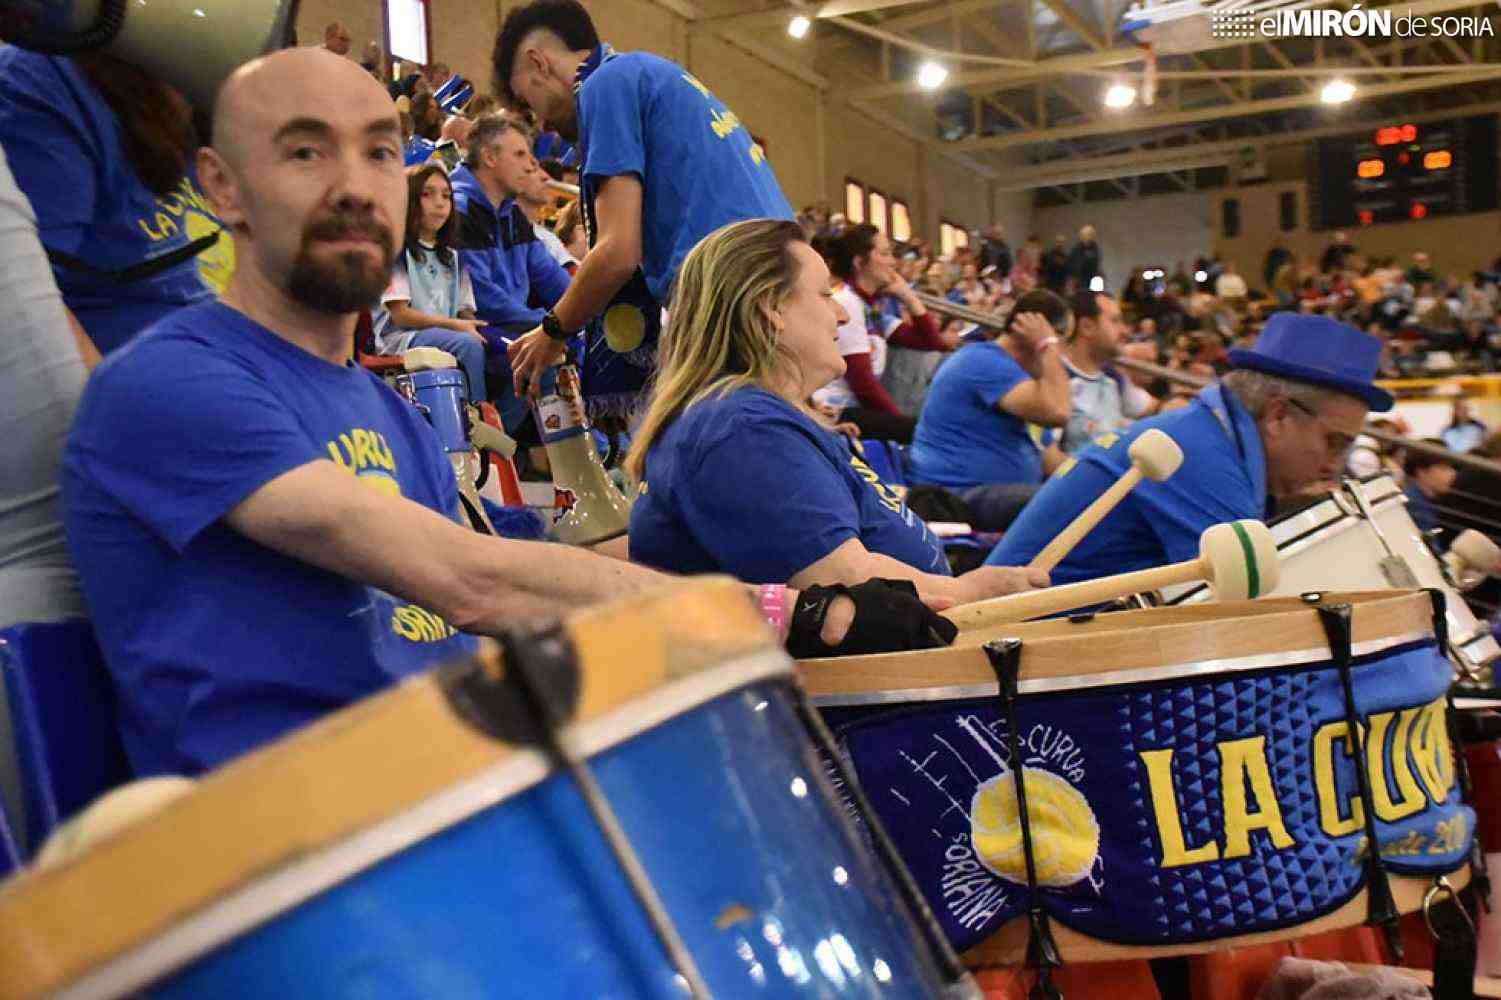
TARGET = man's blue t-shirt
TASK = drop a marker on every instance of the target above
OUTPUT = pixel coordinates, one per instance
(745, 484)
(963, 439)
(216, 643)
(699, 167)
(1222, 478)
(67, 150)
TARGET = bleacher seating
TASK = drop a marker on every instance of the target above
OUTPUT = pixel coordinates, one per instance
(10, 848)
(63, 713)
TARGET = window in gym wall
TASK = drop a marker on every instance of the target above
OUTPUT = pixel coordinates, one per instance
(901, 222)
(407, 30)
(878, 211)
(854, 202)
(950, 238)
(1287, 210)
(1230, 218)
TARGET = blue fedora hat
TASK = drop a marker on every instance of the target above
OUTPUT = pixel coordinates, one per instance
(1318, 350)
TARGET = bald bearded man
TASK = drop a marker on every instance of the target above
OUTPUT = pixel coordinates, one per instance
(264, 530)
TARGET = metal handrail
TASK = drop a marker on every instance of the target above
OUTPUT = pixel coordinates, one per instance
(993, 322)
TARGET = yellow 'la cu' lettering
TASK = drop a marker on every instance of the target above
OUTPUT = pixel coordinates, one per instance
(1248, 803)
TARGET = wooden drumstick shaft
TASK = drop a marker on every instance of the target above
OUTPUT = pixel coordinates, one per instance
(1035, 603)
(1059, 548)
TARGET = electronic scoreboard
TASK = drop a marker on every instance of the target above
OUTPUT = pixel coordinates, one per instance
(1403, 171)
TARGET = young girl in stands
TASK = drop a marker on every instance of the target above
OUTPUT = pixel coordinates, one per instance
(735, 476)
(430, 302)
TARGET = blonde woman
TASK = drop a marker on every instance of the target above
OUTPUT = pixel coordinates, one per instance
(736, 476)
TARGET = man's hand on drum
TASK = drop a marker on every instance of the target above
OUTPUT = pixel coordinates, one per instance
(531, 355)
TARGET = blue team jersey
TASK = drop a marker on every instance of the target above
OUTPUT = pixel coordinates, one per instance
(1223, 478)
(218, 644)
(746, 484)
(67, 151)
(700, 169)
(963, 439)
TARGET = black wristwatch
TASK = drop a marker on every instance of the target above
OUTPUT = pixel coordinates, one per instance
(554, 329)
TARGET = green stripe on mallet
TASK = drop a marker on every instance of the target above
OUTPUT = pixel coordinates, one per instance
(1253, 577)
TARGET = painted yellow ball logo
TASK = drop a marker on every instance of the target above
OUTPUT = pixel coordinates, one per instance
(1065, 833)
(625, 328)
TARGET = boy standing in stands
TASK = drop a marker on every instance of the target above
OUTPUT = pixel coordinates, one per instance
(665, 163)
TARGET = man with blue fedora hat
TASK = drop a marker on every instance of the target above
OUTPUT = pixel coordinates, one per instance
(1277, 425)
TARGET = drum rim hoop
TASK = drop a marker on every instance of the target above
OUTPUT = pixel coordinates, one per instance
(1201, 670)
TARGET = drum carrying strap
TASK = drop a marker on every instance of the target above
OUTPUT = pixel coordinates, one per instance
(1042, 950)
(1454, 953)
(1382, 908)
(1479, 878)
(148, 268)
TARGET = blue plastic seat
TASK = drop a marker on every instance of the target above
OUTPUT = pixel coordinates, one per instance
(63, 713)
(10, 848)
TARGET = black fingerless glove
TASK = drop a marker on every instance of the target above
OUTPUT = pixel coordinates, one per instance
(889, 618)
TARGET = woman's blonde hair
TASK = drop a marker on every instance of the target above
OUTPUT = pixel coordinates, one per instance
(719, 336)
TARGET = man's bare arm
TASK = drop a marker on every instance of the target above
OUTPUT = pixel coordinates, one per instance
(320, 514)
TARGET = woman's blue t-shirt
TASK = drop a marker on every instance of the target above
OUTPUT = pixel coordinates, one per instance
(748, 485)
(67, 150)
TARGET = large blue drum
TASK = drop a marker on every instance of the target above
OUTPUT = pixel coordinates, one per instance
(395, 850)
(1188, 774)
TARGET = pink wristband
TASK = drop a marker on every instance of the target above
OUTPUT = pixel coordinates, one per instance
(773, 598)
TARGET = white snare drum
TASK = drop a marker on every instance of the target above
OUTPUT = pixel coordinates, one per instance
(1333, 546)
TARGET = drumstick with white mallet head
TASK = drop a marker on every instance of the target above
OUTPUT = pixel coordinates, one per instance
(1471, 558)
(1154, 456)
(1238, 559)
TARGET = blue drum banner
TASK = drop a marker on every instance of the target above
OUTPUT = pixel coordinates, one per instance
(620, 351)
(1170, 812)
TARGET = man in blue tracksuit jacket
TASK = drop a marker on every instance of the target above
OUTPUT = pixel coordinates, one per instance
(515, 278)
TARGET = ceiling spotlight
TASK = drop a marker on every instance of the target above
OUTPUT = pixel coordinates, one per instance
(930, 76)
(1201, 276)
(798, 26)
(1337, 92)
(1120, 96)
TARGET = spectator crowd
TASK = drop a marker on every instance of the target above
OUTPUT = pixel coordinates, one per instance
(489, 262)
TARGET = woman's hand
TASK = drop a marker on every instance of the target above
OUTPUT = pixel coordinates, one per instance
(877, 616)
(898, 286)
(998, 581)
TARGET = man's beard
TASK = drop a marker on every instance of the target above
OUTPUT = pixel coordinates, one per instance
(349, 282)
